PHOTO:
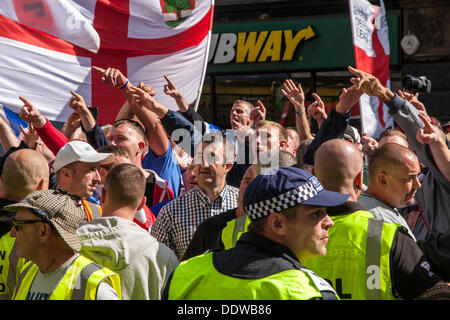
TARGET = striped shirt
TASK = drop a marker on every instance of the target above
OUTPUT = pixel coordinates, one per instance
(177, 221)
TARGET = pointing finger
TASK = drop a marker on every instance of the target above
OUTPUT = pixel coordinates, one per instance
(98, 69)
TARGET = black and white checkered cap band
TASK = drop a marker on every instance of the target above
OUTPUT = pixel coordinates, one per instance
(281, 202)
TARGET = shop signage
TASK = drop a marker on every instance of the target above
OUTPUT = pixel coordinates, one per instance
(288, 45)
(257, 46)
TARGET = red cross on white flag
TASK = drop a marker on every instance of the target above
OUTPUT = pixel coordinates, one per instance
(49, 46)
(372, 53)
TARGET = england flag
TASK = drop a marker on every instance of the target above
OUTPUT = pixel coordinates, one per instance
(49, 47)
(372, 53)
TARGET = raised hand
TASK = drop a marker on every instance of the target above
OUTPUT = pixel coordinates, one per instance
(170, 89)
(369, 144)
(348, 98)
(146, 88)
(294, 94)
(30, 137)
(77, 103)
(140, 98)
(317, 109)
(258, 113)
(242, 132)
(31, 114)
(112, 77)
(370, 85)
(429, 133)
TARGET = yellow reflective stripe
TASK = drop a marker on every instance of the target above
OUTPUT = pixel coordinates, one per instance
(373, 254)
(64, 289)
(239, 227)
(25, 280)
(227, 234)
(233, 231)
(97, 277)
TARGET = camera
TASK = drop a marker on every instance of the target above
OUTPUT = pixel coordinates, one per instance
(416, 84)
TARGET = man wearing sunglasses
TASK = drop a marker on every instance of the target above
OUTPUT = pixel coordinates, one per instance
(24, 171)
(45, 228)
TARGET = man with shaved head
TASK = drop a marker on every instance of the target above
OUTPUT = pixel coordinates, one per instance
(367, 259)
(343, 172)
(393, 171)
(24, 172)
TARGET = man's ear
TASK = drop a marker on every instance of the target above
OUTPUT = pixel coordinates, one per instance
(141, 146)
(276, 224)
(228, 167)
(358, 181)
(283, 144)
(43, 184)
(66, 172)
(45, 232)
(382, 179)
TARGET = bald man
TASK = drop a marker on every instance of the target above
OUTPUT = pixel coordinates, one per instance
(24, 172)
(393, 171)
(366, 258)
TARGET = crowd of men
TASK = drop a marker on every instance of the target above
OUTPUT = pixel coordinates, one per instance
(161, 204)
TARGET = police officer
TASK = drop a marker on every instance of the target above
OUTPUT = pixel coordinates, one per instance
(286, 206)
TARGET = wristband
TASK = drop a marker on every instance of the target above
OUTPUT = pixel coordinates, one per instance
(300, 112)
(124, 85)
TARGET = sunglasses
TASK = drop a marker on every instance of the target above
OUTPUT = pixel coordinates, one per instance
(18, 223)
(41, 214)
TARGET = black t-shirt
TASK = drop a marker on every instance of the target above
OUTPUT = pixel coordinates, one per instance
(411, 272)
(208, 233)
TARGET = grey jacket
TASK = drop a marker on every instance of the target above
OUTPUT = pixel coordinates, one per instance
(143, 264)
(383, 211)
(434, 196)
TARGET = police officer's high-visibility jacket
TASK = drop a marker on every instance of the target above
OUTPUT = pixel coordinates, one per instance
(87, 276)
(256, 269)
(357, 261)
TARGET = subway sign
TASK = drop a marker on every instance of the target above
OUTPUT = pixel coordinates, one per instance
(262, 46)
(287, 45)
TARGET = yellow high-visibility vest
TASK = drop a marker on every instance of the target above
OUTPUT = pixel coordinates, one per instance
(90, 273)
(357, 262)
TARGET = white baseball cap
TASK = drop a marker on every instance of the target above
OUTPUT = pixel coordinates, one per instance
(77, 150)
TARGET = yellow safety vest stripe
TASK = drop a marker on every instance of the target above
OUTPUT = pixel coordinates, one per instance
(233, 231)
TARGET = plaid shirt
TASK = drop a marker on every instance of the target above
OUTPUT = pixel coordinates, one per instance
(178, 220)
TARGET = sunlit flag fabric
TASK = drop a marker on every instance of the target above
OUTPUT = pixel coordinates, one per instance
(49, 46)
(372, 53)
